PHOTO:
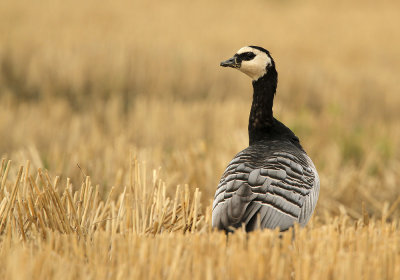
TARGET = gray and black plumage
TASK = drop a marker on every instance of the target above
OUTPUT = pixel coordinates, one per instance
(273, 178)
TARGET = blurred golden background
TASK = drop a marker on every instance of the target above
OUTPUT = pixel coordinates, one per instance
(98, 83)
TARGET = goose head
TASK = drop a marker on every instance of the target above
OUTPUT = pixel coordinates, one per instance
(252, 60)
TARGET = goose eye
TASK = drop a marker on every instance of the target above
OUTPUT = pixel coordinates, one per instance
(247, 56)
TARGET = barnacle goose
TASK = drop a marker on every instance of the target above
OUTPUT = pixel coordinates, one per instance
(273, 178)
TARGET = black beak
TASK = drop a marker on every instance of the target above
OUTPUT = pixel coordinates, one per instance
(232, 62)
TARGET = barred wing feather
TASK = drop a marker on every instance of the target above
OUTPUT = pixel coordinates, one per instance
(280, 187)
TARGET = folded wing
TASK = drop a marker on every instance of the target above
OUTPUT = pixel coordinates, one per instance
(280, 188)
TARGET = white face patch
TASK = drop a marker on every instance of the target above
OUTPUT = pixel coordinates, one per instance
(255, 68)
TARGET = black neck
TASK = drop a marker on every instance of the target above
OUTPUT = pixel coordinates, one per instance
(261, 118)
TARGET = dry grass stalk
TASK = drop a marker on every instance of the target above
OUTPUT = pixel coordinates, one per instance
(53, 210)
